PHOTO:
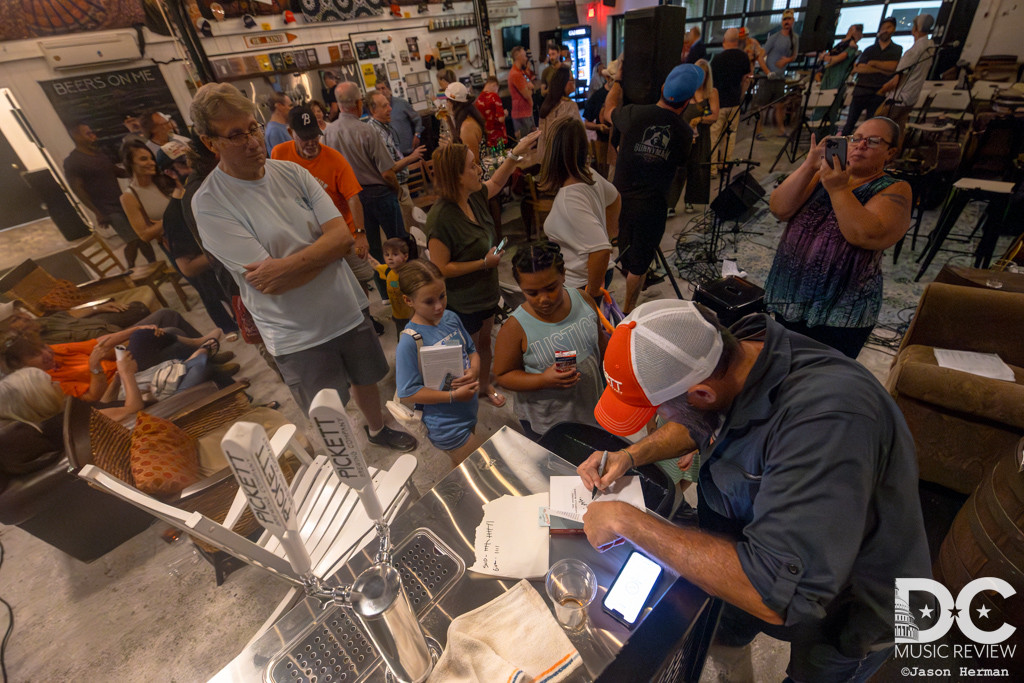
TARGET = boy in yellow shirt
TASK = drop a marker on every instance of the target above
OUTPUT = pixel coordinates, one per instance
(396, 253)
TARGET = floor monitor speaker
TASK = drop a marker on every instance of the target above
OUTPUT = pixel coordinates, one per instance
(738, 198)
(654, 43)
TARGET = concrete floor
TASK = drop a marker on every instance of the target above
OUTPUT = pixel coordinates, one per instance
(125, 617)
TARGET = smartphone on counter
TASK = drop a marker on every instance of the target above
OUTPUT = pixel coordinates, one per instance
(835, 149)
(631, 589)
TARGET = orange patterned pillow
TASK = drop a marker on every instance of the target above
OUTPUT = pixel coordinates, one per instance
(164, 458)
(63, 296)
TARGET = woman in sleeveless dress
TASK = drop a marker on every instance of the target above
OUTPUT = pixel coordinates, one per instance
(826, 280)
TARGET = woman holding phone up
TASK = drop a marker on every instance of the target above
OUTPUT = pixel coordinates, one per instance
(462, 242)
(826, 281)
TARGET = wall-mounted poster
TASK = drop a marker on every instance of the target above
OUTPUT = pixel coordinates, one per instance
(347, 53)
(393, 71)
(369, 76)
(404, 56)
(414, 48)
(103, 100)
(367, 50)
(381, 73)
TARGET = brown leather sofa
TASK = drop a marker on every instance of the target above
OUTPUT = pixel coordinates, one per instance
(41, 493)
(961, 423)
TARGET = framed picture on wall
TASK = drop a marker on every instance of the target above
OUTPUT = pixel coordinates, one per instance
(347, 53)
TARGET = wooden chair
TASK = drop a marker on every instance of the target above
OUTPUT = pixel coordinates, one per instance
(539, 207)
(92, 439)
(418, 186)
(96, 255)
(29, 283)
(333, 524)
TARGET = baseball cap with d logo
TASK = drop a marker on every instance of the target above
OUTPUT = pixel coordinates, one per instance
(303, 121)
(657, 353)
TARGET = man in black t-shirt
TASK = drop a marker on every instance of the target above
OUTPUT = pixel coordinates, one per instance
(654, 142)
(330, 99)
(730, 72)
(189, 258)
(874, 68)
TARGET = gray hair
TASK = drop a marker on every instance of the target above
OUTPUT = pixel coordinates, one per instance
(894, 128)
(516, 50)
(348, 95)
(216, 101)
(373, 103)
(29, 395)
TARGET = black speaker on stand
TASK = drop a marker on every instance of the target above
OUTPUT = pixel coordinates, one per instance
(654, 42)
(819, 29)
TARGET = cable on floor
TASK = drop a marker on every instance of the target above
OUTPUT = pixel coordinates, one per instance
(10, 626)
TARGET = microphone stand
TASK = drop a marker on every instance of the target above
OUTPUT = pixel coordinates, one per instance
(793, 142)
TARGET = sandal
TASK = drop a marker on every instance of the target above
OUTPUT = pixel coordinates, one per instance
(494, 398)
(212, 347)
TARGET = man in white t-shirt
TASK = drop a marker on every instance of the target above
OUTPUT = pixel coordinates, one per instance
(584, 216)
(903, 89)
(284, 241)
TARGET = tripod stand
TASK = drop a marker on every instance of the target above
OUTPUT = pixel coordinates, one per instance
(793, 142)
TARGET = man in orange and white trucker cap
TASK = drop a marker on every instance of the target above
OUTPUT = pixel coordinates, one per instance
(807, 491)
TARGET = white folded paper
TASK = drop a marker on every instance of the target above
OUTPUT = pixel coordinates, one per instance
(509, 541)
(570, 498)
(982, 364)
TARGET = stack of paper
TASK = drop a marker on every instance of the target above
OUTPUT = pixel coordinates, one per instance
(570, 498)
(436, 362)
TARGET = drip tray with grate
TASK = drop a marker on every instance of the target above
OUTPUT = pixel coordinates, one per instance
(336, 650)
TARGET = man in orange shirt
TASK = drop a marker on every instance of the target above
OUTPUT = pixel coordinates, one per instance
(337, 178)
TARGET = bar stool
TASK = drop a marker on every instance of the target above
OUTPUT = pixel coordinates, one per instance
(962, 193)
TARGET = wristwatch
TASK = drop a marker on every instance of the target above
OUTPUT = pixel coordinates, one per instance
(515, 157)
(360, 231)
(95, 371)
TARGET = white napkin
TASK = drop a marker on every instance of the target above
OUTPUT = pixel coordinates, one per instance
(510, 542)
(512, 638)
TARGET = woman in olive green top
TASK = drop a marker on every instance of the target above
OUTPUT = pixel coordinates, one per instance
(461, 240)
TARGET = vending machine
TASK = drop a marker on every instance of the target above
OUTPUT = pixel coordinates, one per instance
(577, 38)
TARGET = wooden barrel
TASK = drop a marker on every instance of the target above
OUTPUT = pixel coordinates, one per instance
(987, 540)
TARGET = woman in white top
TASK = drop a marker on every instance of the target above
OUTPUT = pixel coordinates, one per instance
(148, 193)
(585, 215)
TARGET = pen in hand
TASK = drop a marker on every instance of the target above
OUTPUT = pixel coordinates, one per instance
(600, 473)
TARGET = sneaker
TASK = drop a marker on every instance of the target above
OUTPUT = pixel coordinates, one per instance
(689, 208)
(378, 328)
(671, 212)
(393, 439)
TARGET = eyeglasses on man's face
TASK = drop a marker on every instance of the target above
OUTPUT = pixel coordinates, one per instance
(872, 141)
(241, 139)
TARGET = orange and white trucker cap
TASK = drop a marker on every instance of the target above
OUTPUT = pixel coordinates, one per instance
(658, 352)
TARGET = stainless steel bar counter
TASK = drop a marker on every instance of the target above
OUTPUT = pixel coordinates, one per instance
(434, 546)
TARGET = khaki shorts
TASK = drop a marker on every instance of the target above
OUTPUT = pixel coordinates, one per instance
(363, 271)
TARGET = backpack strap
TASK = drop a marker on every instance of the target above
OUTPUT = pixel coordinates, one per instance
(418, 338)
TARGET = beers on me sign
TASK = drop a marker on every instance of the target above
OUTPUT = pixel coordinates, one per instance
(988, 655)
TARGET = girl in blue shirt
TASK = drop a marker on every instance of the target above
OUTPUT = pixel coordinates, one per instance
(450, 416)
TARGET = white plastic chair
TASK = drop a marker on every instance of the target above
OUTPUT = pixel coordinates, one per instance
(332, 524)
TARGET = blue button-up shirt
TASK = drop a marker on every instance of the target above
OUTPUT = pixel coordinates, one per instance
(406, 122)
(814, 473)
(390, 140)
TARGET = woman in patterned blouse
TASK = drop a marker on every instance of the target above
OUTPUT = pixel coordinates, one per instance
(826, 281)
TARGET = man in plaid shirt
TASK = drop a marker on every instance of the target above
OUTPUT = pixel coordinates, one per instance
(380, 121)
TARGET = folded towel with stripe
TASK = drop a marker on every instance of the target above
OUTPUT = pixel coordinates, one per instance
(512, 639)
